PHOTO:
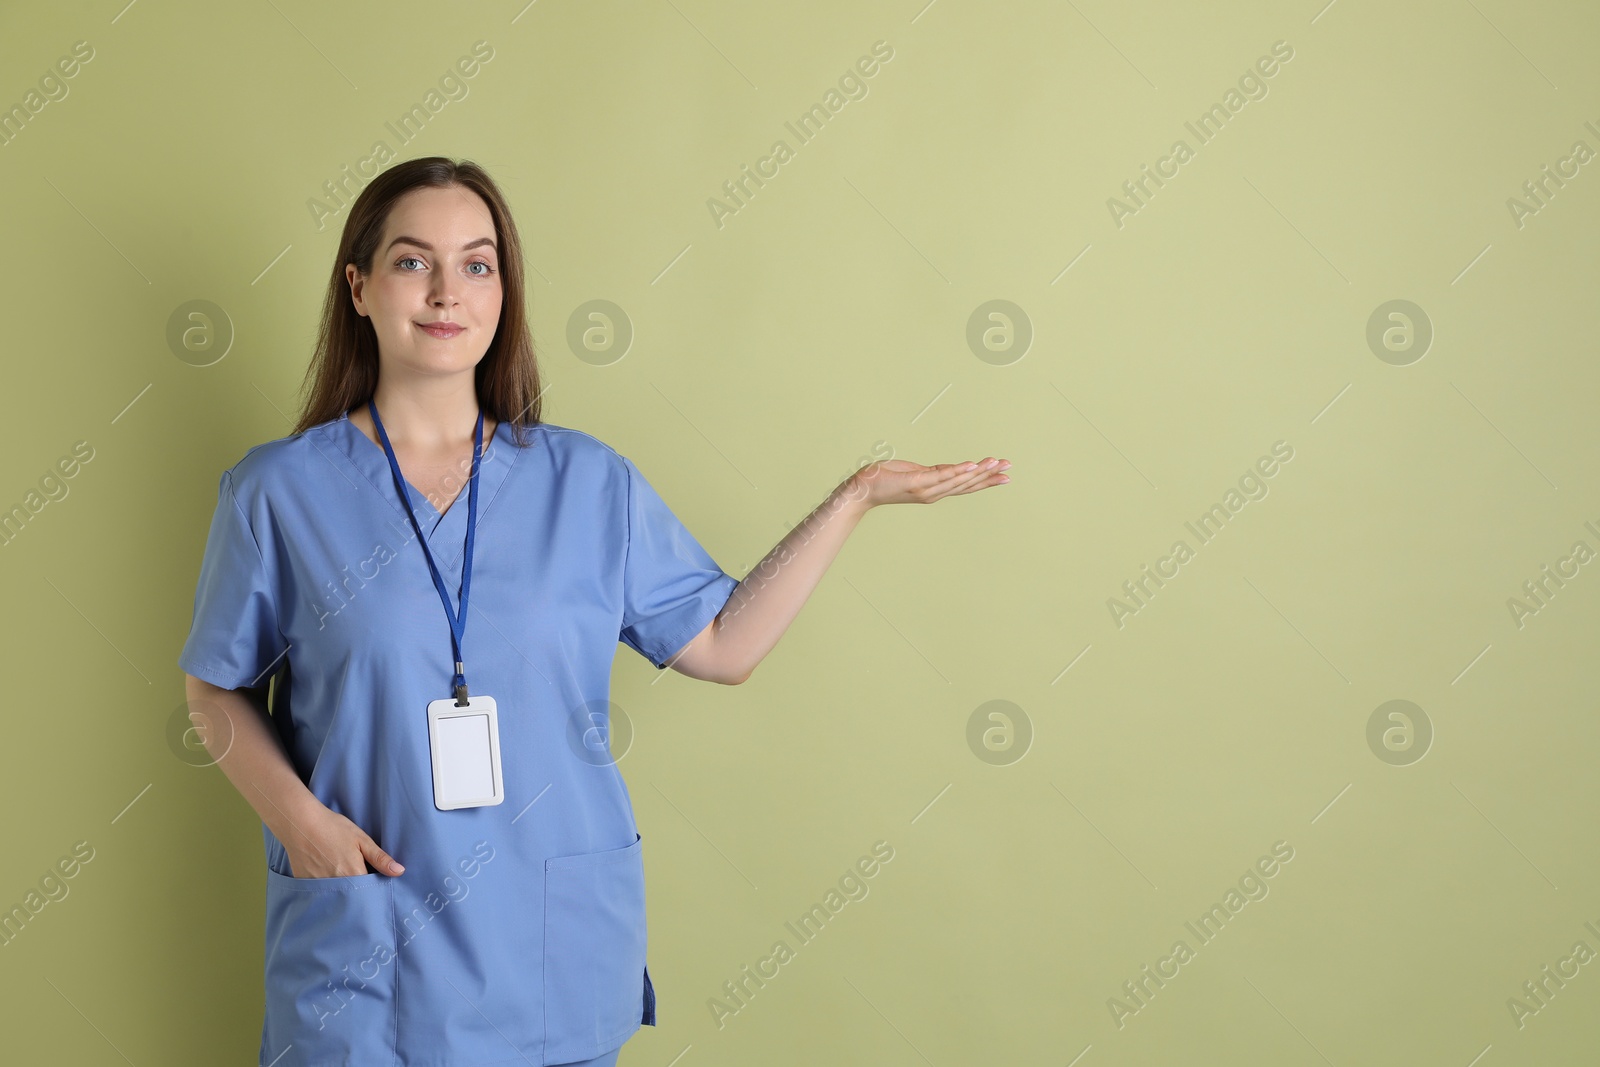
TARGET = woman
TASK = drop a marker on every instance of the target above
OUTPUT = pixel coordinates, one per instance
(453, 871)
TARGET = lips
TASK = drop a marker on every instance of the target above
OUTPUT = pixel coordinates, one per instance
(441, 331)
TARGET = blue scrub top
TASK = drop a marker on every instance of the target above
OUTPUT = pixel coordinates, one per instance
(516, 934)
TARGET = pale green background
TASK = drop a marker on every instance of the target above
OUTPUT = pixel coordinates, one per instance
(828, 314)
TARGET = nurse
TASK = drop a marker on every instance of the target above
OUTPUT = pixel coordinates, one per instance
(401, 652)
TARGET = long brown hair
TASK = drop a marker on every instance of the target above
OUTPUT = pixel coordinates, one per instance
(343, 373)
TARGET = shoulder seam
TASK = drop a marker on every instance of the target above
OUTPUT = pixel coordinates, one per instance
(264, 444)
(233, 470)
(227, 479)
(582, 433)
(227, 482)
(627, 527)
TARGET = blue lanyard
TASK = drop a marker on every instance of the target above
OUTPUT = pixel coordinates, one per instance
(458, 621)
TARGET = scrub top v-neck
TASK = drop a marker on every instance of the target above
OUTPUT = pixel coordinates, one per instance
(516, 934)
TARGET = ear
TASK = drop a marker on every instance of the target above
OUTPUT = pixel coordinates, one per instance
(357, 286)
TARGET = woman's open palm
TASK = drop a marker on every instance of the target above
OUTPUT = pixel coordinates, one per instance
(899, 481)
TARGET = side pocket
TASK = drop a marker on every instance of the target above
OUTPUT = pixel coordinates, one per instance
(329, 970)
(594, 949)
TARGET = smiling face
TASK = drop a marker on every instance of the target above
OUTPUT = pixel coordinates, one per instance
(437, 262)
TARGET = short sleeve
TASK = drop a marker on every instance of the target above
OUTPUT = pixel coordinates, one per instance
(671, 587)
(234, 639)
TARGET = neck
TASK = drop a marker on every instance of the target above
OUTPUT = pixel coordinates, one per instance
(429, 415)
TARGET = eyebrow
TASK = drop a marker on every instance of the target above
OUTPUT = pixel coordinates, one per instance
(426, 246)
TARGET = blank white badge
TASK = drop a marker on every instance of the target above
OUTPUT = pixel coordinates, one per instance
(465, 744)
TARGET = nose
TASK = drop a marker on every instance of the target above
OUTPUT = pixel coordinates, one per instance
(442, 294)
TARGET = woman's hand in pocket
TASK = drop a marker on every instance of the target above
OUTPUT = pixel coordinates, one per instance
(325, 844)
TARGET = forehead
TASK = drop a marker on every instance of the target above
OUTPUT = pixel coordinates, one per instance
(445, 218)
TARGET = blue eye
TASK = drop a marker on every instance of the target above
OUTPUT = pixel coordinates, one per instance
(487, 270)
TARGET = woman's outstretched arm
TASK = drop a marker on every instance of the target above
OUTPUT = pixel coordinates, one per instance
(768, 599)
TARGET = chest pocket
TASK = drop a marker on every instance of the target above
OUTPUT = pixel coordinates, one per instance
(596, 992)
